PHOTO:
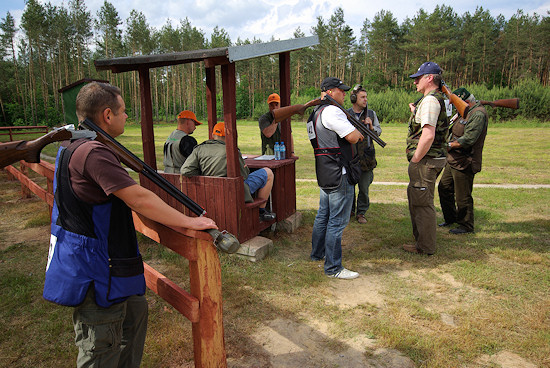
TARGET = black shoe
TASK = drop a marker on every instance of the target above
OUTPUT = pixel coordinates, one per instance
(267, 216)
(444, 224)
(460, 230)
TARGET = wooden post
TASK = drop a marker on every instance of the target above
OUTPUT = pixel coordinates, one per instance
(147, 134)
(25, 191)
(230, 119)
(284, 78)
(211, 98)
(205, 282)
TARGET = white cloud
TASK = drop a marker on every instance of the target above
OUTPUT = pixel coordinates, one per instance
(263, 19)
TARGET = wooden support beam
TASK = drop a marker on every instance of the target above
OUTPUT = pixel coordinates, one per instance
(147, 134)
(211, 98)
(230, 119)
(178, 298)
(206, 286)
(171, 238)
(284, 78)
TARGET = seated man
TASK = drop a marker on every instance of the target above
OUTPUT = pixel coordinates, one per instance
(180, 143)
(209, 159)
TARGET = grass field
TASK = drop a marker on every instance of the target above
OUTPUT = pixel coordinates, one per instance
(482, 297)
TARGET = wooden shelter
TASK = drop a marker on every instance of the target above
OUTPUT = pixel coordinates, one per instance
(223, 198)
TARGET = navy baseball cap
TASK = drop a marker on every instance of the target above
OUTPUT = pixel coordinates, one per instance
(331, 82)
(429, 67)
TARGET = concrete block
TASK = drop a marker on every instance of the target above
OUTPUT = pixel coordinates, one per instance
(255, 249)
(291, 223)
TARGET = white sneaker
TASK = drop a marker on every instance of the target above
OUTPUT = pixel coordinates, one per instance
(345, 274)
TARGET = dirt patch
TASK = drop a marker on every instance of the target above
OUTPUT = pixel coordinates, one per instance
(348, 297)
(504, 359)
(309, 344)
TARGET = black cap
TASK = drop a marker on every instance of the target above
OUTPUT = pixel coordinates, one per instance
(331, 82)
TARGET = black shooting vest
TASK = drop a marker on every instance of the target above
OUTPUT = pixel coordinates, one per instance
(331, 152)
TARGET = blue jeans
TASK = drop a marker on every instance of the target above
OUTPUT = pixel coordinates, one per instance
(330, 222)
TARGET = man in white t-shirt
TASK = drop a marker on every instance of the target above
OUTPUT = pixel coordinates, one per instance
(426, 152)
(332, 136)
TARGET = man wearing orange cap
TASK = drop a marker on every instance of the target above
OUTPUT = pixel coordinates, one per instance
(270, 129)
(180, 143)
(210, 159)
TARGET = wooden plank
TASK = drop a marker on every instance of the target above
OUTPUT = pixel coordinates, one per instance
(284, 80)
(178, 298)
(206, 281)
(25, 190)
(43, 168)
(179, 240)
(147, 134)
(30, 186)
(223, 212)
(230, 119)
(211, 98)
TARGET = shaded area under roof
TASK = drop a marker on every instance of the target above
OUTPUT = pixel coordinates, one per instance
(216, 56)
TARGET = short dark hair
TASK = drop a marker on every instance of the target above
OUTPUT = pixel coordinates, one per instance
(94, 98)
(358, 88)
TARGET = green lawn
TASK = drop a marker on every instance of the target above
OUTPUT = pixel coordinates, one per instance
(480, 295)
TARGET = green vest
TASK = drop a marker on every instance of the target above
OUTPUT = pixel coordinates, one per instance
(438, 147)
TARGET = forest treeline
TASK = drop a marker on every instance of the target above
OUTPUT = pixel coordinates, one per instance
(56, 46)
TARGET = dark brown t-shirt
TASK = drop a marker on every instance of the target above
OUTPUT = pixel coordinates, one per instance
(96, 172)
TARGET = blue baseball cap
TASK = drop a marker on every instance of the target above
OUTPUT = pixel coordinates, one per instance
(429, 67)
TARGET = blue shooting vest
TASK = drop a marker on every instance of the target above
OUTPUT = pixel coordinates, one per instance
(90, 244)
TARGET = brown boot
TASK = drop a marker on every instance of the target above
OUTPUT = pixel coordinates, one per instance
(361, 219)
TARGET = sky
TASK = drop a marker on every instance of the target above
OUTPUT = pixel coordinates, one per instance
(264, 19)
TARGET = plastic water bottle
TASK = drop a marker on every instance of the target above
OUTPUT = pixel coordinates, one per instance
(282, 151)
(277, 149)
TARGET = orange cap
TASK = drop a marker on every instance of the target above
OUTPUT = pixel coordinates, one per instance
(273, 98)
(219, 129)
(186, 114)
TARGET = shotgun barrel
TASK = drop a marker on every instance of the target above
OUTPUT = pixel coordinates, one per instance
(283, 113)
(511, 103)
(356, 123)
(224, 241)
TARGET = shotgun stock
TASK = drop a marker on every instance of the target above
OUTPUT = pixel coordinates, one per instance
(461, 106)
(222, 240)
(283, 113)
(511, 103)
(362, 128)
(29, 151)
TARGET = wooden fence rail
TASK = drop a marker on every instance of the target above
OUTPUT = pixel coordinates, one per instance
(20, 130)
(202, 306)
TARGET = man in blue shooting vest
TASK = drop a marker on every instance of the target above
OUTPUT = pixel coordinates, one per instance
(94, 264)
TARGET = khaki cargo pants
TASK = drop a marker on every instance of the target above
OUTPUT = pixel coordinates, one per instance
(420, 193)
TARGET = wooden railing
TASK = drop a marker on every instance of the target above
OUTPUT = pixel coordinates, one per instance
(20, 130)
(203, 305)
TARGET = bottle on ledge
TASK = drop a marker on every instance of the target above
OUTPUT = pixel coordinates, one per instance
(282, 151)
(277, 151)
